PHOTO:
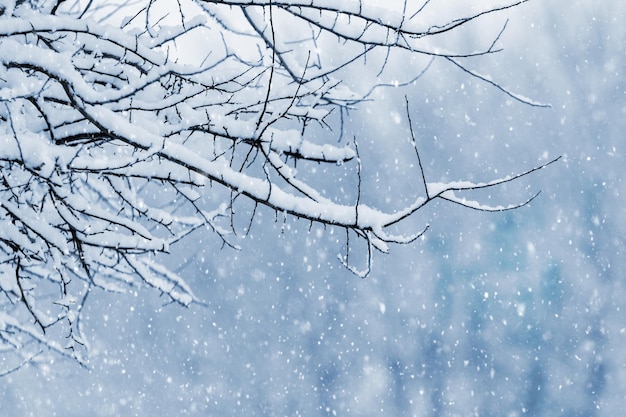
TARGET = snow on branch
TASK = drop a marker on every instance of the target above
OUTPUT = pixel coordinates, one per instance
(115, 144)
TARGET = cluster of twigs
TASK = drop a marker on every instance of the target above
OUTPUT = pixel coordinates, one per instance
(108, 143)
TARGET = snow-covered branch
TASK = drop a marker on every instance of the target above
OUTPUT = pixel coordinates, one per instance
(111, 138)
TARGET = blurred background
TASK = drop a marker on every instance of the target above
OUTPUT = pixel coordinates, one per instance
(506, 314)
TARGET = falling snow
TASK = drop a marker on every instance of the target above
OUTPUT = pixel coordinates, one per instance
(512, 313)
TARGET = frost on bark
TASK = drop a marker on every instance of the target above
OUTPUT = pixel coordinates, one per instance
(113, 145)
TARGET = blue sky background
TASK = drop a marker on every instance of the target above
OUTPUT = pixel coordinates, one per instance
(506, 314)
